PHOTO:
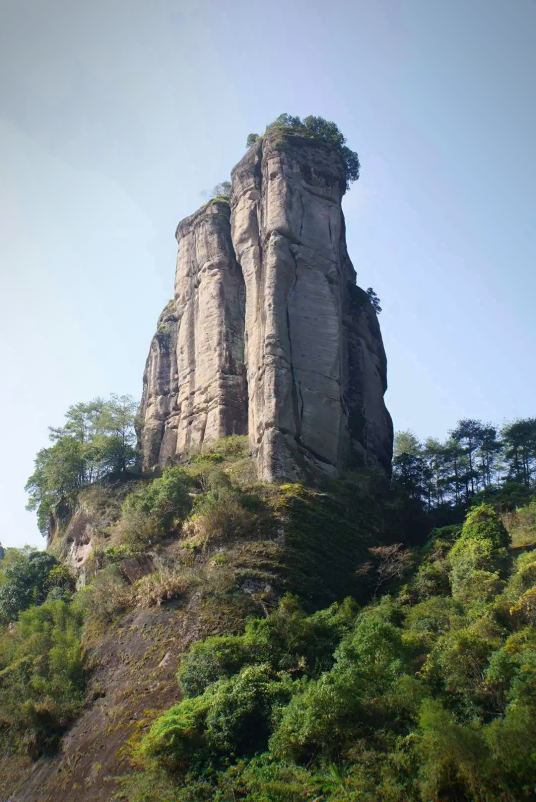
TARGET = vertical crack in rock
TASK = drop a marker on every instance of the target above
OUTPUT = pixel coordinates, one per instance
(297, 403)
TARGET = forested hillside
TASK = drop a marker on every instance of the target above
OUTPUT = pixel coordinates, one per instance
(221, 638)
(476, 458)
(427, 693)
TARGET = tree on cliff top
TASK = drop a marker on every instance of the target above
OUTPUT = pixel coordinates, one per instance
(221, 191)
(98, 439)
(327, 131)
(520, 440)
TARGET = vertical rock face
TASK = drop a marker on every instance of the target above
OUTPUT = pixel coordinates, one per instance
(316, 366)
(370, 429)
(194, 386)
(268, 333)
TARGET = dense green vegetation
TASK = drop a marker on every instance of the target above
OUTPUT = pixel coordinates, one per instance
(425, 694)
(41, 677)
(27, 578)
(210, 530)
(207, 523)
(333, 662)
(476, 458)
(41, 671)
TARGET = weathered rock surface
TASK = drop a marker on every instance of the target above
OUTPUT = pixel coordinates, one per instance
(194, 382)
(268, 323)
(315, 362)
(77, 534)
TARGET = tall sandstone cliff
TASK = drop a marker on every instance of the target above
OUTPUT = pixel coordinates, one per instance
(268, 333)
(194, 386)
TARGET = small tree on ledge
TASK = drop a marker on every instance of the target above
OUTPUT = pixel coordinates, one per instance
(221, 191)
(374, 300)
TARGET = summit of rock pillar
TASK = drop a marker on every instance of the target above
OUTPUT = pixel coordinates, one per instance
(268, 333)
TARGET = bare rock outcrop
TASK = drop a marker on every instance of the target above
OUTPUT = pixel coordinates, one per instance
(315, 361)
(268, 333)
(194, 386)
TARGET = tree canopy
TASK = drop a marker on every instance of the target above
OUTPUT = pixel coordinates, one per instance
(328, 132)
(27, 577)
(425, 694)
(476, 458)
(97, 440)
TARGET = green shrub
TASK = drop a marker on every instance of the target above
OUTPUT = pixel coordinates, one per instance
(41, 676)
(101, 602)
(431, 617)
(524, 576)
(482, 547)
(165, 499)
(510, 671)
(27, 576)
(236, 687)
(452, 757)
(336, 708)
(136, 531)
(432, 579)
(60, 578)
(221, 513)
(153, 511)
(288, 639)
(483, 523)
(244, 708)
(521, 525)
(210, 660)
(234, 447)
(510, 740)
(234, 715)
(115, 554)
(425, 696)
(459, 660)
(177, 740)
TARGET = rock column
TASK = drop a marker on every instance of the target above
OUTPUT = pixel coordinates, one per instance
(194, 383)
(311, 345)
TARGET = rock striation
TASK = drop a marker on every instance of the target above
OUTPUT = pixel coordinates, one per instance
(268, 333)
(194, 386)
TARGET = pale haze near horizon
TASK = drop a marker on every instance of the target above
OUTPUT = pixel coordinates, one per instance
(114, 117)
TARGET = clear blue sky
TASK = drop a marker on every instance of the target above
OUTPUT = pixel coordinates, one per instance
(115, 116)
